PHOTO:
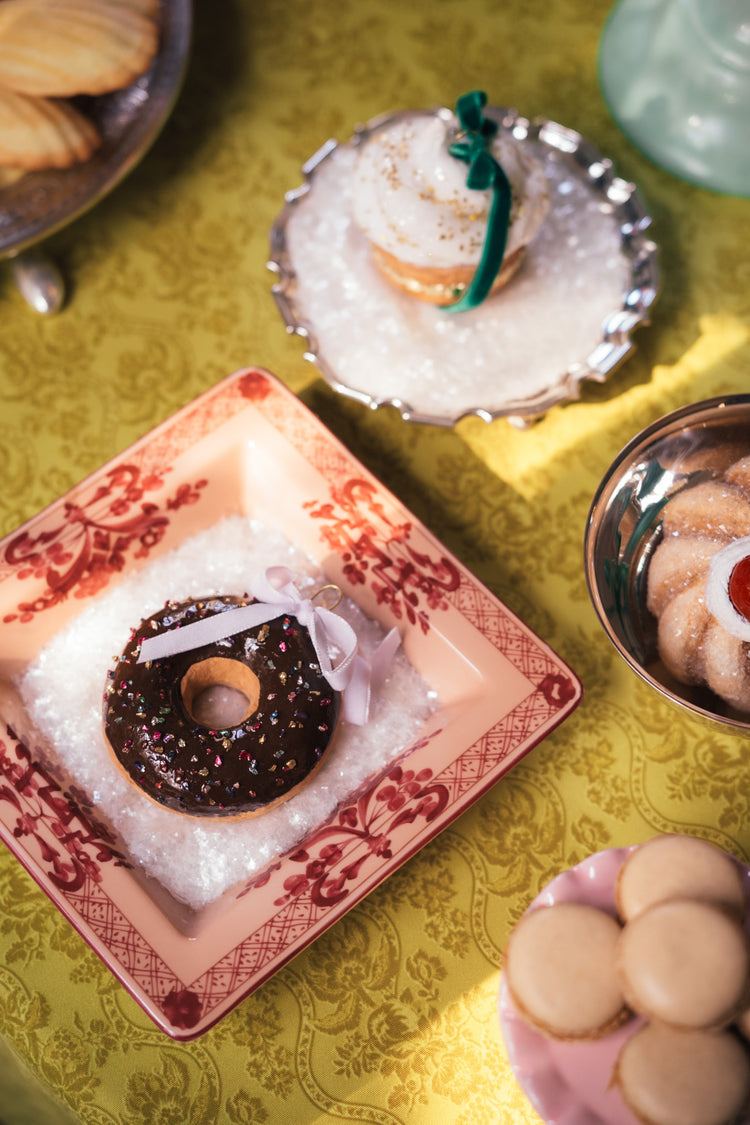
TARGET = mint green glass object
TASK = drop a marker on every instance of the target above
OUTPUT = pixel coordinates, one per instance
(471, 146)
(675, 75)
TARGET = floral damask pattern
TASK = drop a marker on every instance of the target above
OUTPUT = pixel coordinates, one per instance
(390, 1017)
(160, 1094)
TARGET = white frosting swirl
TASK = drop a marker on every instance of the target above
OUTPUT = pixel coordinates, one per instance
(411, 199)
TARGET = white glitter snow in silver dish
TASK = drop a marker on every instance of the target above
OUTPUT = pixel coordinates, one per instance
(197, 860)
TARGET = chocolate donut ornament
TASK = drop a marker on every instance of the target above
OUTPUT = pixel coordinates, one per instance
(229, 728)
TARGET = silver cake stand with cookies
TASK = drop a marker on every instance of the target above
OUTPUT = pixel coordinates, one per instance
(36, 204)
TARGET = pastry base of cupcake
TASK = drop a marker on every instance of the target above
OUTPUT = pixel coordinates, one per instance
(438, 286)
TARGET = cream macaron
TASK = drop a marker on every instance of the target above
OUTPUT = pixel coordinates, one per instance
(560, 971)
(685, 963)
(669, 1077)
(676, 866)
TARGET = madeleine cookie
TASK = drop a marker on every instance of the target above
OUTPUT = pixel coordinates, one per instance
(685, 963)
(669, 867)
(145, 7)
(560, 971)
(60, 48)
(669, 1077)
(42, 133)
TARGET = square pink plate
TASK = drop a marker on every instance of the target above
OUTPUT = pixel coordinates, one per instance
(250, 446)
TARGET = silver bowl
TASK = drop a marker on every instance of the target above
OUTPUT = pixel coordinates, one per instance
(624, 528)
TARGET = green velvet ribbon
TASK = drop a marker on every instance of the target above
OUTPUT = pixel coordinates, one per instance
(472, 146)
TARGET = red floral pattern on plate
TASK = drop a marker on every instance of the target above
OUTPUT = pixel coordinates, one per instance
(360, 831)
(375, 547)
(80, 554)
(182, 1008)
(71, 846)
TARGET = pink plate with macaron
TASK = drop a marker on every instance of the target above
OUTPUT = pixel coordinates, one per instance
(569, 1083)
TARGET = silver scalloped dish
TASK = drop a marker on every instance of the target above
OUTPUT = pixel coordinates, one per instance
(129, 120)
(586, 170)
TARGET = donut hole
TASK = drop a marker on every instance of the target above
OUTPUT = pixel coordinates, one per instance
(219, 692)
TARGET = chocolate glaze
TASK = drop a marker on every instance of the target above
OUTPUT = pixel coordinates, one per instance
(241, 769)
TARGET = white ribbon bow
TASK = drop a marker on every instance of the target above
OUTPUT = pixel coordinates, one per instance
(275, 594)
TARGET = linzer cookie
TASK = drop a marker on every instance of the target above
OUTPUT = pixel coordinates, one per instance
(698, 584)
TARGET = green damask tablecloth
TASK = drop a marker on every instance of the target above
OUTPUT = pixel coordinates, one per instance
(389, 1017)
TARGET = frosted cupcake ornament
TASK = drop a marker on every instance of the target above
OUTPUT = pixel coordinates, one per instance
(448, 204)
